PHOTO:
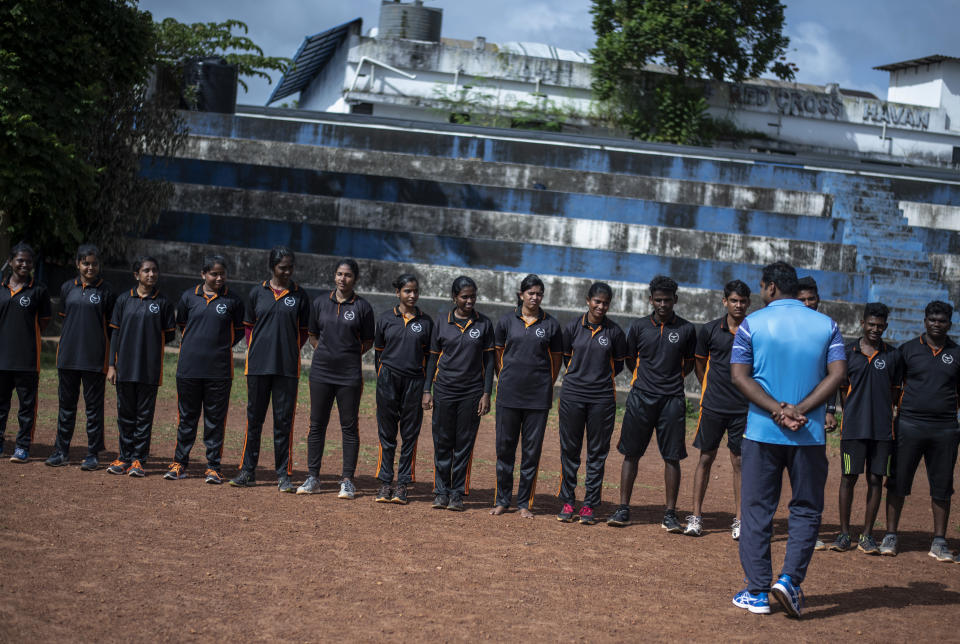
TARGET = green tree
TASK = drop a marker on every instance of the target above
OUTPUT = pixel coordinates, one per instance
(721, 40)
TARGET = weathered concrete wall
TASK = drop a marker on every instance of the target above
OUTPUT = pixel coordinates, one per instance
(931, 215)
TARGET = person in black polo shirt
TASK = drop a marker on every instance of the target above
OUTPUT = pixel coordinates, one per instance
(276, 318)
(722, 407)
(594, 348)
(530, 351)
(402, 345)
(460, 370)
(142, 322)
(24, 314)
(341, 331)
(86, 308)
(927, 426)
(866, 428)
(210, 318)
(809, 295)
(660, 352)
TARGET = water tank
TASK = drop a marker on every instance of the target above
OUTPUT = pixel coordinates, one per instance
(411, 21)
(209, 85)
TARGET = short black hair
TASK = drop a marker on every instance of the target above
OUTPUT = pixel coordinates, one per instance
(212, 260)
(405, 279)
(277, 253)
(663, 284)
(143, 259)
(351, 264)
(807, 283)
(600, 288)
(783, 275)
(86, 250)
(461, 283)
(876, 310)
(937, 307)
(736, 286)
(528, 283)
(22, 247)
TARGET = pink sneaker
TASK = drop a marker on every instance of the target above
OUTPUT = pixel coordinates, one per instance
(587, 517)
(566, 514)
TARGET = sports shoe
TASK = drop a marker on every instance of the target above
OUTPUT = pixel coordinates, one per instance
(90, 463)
(587, 517)
(117, 467)
(888, 547)
(566, 513)
(694, 526)
(213, 477)
(400, 494)
(243, 479)
(671, 523)
(755, 603)
(20, 455)
(735, 530)
(620, 517)
(789, 595)
(940, 551)
(284, 484)
(175, 473)
(819, 545)
(136, 470)
(347, 489)
(440, 502)
(867, 544)
(384, 494)
(456, 502)
(842, 543)
(56, 460)
(310, 486)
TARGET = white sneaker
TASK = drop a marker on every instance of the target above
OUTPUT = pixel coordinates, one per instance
(694, 526)
(735, 530)
(347, 490)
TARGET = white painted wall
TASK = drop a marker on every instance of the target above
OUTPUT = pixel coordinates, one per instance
(921, 85)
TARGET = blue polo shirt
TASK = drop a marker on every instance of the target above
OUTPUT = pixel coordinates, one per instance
(789, 347)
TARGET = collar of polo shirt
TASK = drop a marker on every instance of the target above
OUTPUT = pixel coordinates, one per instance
(151, 295)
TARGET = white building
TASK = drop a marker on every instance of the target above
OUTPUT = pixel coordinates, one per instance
(404, 69)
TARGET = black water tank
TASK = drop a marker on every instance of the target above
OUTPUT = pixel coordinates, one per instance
(209, 85)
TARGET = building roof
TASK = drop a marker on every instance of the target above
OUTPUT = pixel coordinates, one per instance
(916, 62)
(313, 54)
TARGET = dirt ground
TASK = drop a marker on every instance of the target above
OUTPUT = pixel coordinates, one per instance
(89, 556)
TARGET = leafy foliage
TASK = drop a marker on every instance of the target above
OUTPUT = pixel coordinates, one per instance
(729, 40)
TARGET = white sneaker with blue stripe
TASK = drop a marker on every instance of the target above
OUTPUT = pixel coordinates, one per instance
(757, 603)
(789, 595)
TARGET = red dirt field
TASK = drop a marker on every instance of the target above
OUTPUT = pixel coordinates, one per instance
(89, 556)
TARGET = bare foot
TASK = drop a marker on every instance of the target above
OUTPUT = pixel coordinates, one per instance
(498, 510)
(525, 513)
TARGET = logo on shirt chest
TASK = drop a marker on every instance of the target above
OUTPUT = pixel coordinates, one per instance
(154, 307)
(290, 301)
(221, 308)
(25, 301)
(349, 316)
(416, 327)
(602, 340)
(94, 298)
(540, 332)
(474, 333)
(673, 337)
(947, 358)
(879, 364)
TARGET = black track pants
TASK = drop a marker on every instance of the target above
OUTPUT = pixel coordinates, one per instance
(399, 410)
(94, 385)
(455, 424)
(26, 384)
(212, 397)
(598, 420)
(524, 427)
(283, 391)
(322, 395)
(135, 404)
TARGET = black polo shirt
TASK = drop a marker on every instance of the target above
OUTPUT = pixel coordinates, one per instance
(525, 380)
(868, 406)
(20, 314)
(277, 320)
(593, 351)
(930, 380)
(460, 347)
(209, 327)
(340, 328)
(718, 394)
(660, 351)
(141, 326)
(85, 336)
(403, 344)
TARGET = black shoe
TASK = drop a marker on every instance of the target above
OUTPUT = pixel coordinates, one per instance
(384, 494)
(285, 485)
(620, 517)
(842, 543)
(56, 460)
(440, 502)
(90, 463)
(456, 503)
(243, 479)
(400, 494)
(671, 523)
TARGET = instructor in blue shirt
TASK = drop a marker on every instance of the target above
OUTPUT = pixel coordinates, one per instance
(787, 360)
